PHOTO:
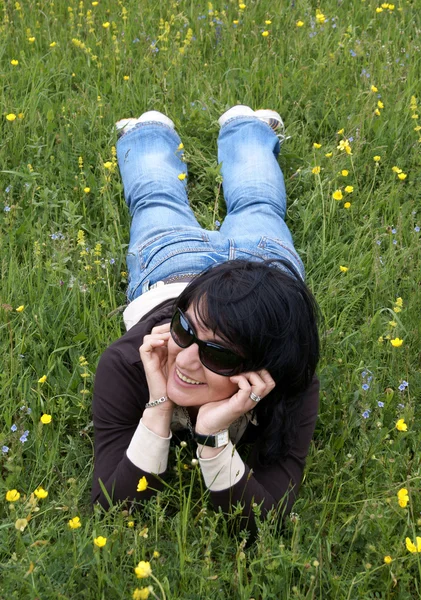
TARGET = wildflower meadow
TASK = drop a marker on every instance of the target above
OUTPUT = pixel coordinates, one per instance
(345, 76)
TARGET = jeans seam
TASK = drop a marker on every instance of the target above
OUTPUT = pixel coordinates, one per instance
(143, 123)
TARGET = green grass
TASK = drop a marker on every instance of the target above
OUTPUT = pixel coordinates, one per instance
(66, 99)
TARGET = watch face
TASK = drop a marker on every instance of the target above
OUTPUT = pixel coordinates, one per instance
(221, 439)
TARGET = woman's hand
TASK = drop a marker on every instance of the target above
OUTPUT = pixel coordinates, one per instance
(154, 356)
(215, 416)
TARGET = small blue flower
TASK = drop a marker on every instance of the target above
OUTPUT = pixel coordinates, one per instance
(28, 411)
(350, 139)
(366, 413)
(364, 374)
(378, 242)
(6, 208)
(7, 190)
(402, 387)
(380, 404)
(5, 449)
(217, 224)
(365, 386)
(417, 229)
(401, 405)
(23, 438)
(405, 383)
(353, 53)
(112, 261)
(393, 230)
(395, 242)
(13, 427)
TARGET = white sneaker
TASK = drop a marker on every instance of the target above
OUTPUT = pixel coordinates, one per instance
(271, 117)
(236, 111)
(124, 125)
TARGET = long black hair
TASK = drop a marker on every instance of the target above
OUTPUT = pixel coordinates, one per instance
(265, 311)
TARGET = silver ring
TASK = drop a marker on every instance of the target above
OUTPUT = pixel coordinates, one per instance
(255, 397)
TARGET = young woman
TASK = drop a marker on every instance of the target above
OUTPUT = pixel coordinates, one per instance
(222, 342)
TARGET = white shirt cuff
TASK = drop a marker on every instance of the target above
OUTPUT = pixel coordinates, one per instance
(223, 470)
(149, 451)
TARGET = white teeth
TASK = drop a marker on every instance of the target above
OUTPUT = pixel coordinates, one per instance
(187, 379)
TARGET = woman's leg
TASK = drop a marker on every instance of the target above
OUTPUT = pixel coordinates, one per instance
(253, 184)
(153, 175)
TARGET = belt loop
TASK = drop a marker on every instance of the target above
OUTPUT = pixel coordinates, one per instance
(145, 286)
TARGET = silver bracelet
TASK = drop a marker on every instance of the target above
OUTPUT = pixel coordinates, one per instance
(156, 402)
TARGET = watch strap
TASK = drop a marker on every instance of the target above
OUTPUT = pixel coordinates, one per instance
(214, 440)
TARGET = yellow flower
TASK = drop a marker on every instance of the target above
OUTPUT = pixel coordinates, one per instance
(31, 40)
(299, 23)
(130, 524)
(86, 189)
(142, 485)
(329, 154)
(403, 497)
(417, 128)
(53, 44)
(141, 594)
(337, 195)
(100, 541)
(377, 112)
(242, 6)
(180, 146)
(374, 89)
(349, 189)
(391, 7)
(343, 145)
(42, 379)
(399, 302)
(379, 9)
(396, 169)
(20, 308)
(344, 173)
(182, 176)
(106, 25)
(21, 115)
(388, 559)
(265, 33)
(392, 323)
(315, 170)
(235, 21)
(20, 524)
(14, 62)
(268, 22)
(320, 18)
(126, 77)
(411, 546)
(402, 176)
(381, 340)
(12, 496)
(74, 523)
(396, 343)
(46, 419)
(343, 269)
(156, 554)
(347, 205)
(340, 132)
(95, 3)
(108, 165)
(401, 425)
(316, 145)
(143, 569)
(377, 158)
(40, 493)
(11, 117)
(380, 104)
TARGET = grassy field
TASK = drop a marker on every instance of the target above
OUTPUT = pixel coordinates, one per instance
(345, 76)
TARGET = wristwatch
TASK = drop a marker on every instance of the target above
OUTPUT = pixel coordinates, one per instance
(215, 440)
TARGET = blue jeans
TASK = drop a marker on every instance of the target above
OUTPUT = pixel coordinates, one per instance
(165, 237)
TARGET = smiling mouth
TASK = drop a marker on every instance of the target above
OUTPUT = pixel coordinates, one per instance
(187, 379)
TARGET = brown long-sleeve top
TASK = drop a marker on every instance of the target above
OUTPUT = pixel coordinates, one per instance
(120, 395)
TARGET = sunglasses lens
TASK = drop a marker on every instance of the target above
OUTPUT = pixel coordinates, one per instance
(220, 360)
(181, 331)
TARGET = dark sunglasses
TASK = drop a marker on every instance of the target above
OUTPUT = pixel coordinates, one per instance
(214, 357)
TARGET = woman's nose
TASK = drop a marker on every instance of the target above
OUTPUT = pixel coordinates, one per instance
(188, 358)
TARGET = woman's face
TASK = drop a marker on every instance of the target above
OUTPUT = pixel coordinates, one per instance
(184, 363)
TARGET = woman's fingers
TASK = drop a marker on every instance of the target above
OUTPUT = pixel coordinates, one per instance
(259, 383)
(161, 328)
